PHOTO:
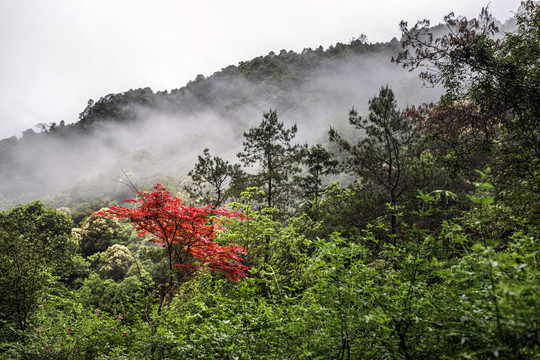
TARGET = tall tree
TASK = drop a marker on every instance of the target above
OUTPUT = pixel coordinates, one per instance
(35, 245)
(380, 158)
(268, 146)
(211, 177)
(319, 162)
(186, 232)
(499, 76)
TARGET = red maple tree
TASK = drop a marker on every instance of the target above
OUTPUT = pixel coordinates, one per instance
(185, 231)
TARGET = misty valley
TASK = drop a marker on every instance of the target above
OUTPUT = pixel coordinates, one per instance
(364, 201)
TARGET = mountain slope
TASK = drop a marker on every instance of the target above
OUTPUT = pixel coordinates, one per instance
(159, 134)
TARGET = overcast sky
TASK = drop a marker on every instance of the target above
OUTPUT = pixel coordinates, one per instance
(57, 54)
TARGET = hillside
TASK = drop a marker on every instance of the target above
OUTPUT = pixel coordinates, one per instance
(158, 134)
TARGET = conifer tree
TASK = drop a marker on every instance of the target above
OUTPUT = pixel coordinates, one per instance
(319, 162)
(380, 158)
(211, 177)
(268, 147)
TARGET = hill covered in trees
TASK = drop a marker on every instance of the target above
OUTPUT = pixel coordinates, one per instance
(149, 133)
(307, 206)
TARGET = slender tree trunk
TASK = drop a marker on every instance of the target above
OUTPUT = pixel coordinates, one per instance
(392, 191)
(218, 201)
(270, 171)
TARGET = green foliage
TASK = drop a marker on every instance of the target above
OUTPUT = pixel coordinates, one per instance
(66, 330)
(108, 295)
(35, 246)
(117, 261)
(273, 247)
(121, 107)
(153, 261)
(82, 210)
(96, 234)
(500, 82)
(345, 210)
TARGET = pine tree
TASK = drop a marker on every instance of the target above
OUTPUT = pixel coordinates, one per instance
(268, 147)
(212, 177)
(380, 158)
(319, 162)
